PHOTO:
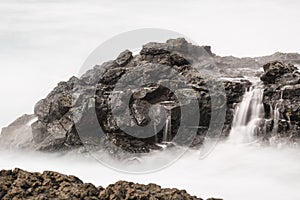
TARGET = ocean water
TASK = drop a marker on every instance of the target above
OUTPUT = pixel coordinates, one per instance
(231, 172)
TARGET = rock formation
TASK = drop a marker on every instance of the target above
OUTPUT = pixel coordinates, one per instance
(19, 184)
(70, 106)
(282, 100)
(94, 110)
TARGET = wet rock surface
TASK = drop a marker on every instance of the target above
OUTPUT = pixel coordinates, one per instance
(282, 101)
(19, 184)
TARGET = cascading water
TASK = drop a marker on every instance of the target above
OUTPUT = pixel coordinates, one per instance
(167, 131)
(156, 112)
(276, 117)
(168, 106)
(247, 115)
(155, 132)
(276, 114)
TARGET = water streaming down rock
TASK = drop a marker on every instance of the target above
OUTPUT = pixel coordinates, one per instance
(156, 113)
(281, 103)
(247, 115)
(166, 137)
(276, 114)
(168, 105)
(276, 117)
(155, 132)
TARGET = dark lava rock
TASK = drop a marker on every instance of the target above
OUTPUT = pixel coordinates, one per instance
(19, 184)
(109, 106)
(71, 114)
(276, 70)
(124, 58)
(282, 100)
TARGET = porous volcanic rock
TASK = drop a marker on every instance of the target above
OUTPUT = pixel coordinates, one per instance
(19, 184)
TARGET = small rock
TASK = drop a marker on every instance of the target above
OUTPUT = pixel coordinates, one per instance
(124, 58)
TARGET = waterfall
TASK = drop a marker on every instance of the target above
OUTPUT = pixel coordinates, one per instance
(247, 115)
(155, 113)
(167, 132)
(276, 118)
(276, 113)
(155, 132)
(168, 106)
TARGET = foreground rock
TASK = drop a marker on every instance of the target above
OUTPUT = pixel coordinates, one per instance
(19, 184)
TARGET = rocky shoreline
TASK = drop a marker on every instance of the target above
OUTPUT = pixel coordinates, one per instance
(19, 184)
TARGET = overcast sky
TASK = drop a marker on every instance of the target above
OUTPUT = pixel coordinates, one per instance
(45, 41)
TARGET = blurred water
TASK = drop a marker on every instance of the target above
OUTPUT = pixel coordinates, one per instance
(232, 172)
(247, 115)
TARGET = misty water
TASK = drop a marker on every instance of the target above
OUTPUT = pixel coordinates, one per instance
(42, 44)
(231, 171)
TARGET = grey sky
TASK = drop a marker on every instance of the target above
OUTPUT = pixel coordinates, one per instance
(43, 42)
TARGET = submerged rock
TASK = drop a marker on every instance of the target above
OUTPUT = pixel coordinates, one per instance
(20, 184)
